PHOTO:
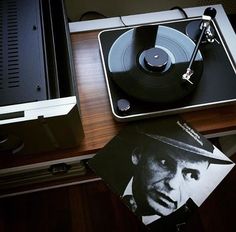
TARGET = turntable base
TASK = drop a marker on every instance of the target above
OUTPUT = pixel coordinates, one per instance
(149, 90)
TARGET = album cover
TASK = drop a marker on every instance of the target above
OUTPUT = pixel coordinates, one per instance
(162, 169)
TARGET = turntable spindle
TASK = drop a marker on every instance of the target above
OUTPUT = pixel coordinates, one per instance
(155, 59)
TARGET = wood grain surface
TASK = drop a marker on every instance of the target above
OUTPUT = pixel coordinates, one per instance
(97, 120)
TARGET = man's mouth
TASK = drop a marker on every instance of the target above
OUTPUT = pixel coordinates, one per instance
(165, 201)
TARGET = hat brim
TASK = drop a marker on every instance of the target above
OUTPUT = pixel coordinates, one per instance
(212, 157)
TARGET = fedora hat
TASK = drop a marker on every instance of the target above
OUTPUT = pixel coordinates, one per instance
(173, 131)
(213, 156)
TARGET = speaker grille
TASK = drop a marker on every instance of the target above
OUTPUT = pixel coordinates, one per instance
(9, 73)
(22, 71)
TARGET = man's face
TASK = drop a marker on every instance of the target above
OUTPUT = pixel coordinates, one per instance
(162, 181)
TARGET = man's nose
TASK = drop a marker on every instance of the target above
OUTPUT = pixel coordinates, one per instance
(174, 179)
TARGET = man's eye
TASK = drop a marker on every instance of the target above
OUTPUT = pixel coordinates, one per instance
(163, 162)
(190, 174)
(167, 164)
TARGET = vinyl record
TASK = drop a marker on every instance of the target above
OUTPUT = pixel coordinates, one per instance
(148, 62)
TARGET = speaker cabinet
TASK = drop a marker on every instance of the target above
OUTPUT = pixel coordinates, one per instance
(39, 101)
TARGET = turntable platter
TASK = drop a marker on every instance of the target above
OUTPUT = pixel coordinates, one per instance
(148, 62)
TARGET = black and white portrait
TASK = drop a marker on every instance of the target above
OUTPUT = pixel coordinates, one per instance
(157, 166)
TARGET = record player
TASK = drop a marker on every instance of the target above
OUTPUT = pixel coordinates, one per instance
(170, 66)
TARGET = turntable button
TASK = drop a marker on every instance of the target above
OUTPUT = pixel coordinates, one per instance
(123, 105)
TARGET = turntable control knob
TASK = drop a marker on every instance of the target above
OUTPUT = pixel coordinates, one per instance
(155, 59)
(123, 105)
